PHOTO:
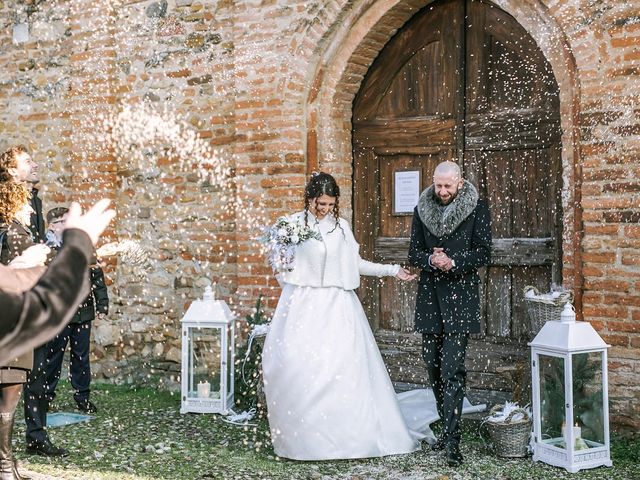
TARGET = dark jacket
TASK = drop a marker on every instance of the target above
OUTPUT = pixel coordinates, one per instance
(36, 225)
(15, 241)
(30, 319)
(449, 302)
(98, 299)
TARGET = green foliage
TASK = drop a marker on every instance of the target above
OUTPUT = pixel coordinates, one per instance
(258, 317)
(248, 367)
(626, 449)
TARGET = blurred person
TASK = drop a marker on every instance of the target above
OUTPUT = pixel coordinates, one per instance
(29, 370)
(40, 313)
(13, 373)
(78, 332)
(16, 165)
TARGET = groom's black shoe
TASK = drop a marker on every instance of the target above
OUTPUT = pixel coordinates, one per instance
(454, 457)
(439, 445)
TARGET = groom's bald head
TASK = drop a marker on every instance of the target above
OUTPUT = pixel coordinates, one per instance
(448, 168)
(447, 180)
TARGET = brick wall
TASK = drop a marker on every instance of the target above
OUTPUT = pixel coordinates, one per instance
(270, 84)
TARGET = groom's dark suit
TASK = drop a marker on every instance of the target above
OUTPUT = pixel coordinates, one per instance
(448, 303)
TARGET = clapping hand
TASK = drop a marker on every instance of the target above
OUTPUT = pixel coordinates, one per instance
(405, 275)
(93, 222)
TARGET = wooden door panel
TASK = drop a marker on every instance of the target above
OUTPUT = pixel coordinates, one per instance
(533, 202)
(437, 36)
(406, 133)
(364, 225)
(508, 130)
(506, 69)
(498, 181)
(418, 78)
(397, 304)
(498, 302)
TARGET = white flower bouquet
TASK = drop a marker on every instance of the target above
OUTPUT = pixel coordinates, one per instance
(281, 239)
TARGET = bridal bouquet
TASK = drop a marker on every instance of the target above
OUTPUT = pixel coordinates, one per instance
(281, 239)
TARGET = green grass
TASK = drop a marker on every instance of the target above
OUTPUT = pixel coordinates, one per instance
(139, 433)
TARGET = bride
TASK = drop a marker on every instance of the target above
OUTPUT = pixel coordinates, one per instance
(328, 392)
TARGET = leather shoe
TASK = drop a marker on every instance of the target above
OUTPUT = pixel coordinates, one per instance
(454, 457)
(87, 406)
(47, 450)
(439, 445)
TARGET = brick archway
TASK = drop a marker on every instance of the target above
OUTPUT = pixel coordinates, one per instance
(363, 32)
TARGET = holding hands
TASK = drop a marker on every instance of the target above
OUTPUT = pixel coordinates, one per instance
(441, 260)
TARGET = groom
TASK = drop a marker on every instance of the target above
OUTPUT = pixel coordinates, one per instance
(450, 240)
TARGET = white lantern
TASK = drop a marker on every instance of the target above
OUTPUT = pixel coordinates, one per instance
(570, 394)
(208, 339)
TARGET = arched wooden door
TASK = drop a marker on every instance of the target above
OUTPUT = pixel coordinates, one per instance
(461, 80)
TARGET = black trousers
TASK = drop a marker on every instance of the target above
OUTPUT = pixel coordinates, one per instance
(444, 355)
(35, 402)
(78, 336)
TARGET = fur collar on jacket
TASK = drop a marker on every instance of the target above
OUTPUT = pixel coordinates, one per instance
(443, 220)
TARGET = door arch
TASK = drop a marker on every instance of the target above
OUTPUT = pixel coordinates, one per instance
(462, 80)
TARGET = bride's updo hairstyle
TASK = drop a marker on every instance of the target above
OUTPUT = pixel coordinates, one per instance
(322, 184)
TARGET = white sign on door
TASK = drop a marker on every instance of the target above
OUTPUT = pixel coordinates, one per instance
(406, 191)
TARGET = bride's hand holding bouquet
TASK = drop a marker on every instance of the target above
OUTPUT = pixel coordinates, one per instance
(281, 239)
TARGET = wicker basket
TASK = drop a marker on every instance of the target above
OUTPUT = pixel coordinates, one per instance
(541, 310)
(510, 438)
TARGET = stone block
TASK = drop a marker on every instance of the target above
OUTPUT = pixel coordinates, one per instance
(157, 9)
(106, 334)
(20, 33)
(195, 41)
(139, 326)
(174, 355)
(158, 350)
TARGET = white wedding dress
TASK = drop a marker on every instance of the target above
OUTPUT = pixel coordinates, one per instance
(328, 392)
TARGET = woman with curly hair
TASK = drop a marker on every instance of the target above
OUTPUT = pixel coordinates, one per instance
(328, 392)
(14, 216)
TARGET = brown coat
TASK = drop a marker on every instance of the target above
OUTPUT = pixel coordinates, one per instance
(34, 317)
(18, 280)
(18, 239)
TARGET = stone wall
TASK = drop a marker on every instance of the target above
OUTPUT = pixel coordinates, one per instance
(270, 84)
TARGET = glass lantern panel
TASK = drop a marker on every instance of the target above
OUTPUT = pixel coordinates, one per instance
(588, 412)
(552, 400)
(204, 362)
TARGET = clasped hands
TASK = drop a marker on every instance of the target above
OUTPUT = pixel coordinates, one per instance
(441, 260)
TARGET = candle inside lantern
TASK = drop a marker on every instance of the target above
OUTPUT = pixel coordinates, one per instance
(204, 389)
(577, 432)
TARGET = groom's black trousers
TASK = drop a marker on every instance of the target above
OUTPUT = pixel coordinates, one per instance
(444, 355)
